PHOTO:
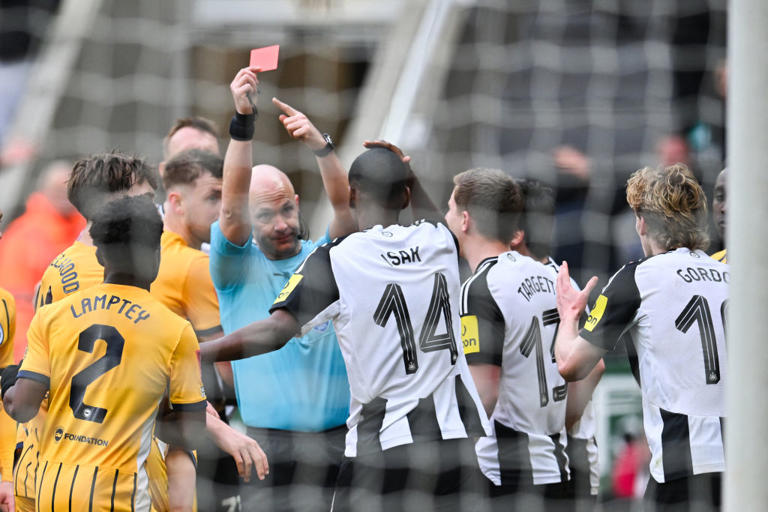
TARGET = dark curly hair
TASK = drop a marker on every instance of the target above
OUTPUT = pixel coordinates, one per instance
(126, 232)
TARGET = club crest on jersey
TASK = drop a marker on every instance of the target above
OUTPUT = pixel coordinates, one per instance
(2, 335)
(470, 334)
(597, 313)
(292, 283)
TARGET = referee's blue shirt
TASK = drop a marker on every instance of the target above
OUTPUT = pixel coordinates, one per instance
(301, 387)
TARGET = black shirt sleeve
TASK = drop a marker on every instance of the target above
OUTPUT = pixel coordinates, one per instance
(312, 288)
(613, 310)
(482, 324)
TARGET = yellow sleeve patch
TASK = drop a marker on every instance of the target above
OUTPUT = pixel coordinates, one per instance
(292, 283)
(470, 335)
(597, 313)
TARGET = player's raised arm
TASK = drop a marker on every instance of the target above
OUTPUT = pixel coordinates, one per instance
(575, 356)
(332, 172)
(421, 204)
(253, 339)
(234, 218)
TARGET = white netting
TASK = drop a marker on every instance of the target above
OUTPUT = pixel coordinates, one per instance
(613, 79)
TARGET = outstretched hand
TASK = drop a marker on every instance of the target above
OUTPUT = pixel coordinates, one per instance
(299, 126)
(570, 301)
(244, 89)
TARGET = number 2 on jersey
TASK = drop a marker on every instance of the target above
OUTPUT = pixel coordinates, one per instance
(393, 303)
(93, 371)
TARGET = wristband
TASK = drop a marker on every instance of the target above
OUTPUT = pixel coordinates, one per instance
(241, 126)
(329, 146)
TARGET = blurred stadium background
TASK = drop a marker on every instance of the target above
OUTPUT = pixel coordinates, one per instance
(456, 83)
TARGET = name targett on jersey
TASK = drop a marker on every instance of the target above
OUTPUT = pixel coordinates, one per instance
(68, 436)
(67, 272)
(88, 304)
(401, 257)
(535, 284)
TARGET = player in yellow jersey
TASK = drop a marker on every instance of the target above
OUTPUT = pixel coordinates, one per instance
(106, 355)
(93, 182)
(720, 210)
(7, 424)
(183, 283)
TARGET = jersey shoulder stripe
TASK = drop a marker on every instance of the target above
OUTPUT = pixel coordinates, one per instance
(477, 283)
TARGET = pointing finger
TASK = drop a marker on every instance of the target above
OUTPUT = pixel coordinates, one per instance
(286, 108)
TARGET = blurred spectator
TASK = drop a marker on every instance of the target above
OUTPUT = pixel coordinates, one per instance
(48, 226)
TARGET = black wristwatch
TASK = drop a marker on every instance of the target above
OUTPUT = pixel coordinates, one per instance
(327, 148)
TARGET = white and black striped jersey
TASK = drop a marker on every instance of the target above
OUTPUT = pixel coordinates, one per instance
(582, 443)
(393, 296)
(673, 305)
(509, 318)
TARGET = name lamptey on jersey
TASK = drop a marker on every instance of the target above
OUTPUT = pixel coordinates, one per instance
(673, 305)
(392, 294)
(108, 354)
(509, 319)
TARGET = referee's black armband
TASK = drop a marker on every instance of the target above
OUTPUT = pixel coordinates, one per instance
(241, 126)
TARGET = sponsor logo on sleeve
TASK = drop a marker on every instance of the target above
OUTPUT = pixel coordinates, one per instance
(469, 334)
(597, 313)
(292, 283)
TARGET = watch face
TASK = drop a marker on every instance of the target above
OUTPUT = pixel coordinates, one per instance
(328, 139)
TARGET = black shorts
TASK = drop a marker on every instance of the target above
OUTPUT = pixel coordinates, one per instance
(555, 497)
(697, 493)
(303, 467)
(423, 476)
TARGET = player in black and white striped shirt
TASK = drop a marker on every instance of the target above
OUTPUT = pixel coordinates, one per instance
(673, 304)
(392, 292)
(509, 320)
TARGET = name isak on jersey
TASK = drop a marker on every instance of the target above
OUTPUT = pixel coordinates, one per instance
(68, 436)
(395, 258)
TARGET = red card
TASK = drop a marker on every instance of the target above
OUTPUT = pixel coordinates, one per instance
(265, 58)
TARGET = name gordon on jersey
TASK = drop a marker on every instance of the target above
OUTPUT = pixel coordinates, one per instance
(694, 274)
(130, 309)
(68, 436)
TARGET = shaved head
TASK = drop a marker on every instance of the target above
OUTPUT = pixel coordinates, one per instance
(269, 183)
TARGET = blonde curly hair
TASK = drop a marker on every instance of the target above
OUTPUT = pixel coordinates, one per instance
(673, 205)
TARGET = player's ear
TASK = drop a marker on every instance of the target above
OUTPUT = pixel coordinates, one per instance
(465, 221)
(175, 200)
(517, 239)
(296, 199)
(406, 198)
(640, 226)
(352, 197)
(161, 168)
(99, 256)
